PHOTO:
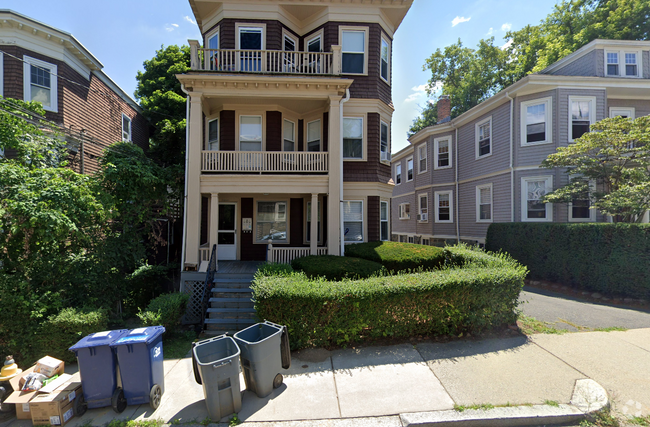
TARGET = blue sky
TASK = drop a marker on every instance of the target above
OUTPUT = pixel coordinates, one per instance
(122, 34)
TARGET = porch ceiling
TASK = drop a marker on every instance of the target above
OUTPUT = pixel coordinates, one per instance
(213, 104)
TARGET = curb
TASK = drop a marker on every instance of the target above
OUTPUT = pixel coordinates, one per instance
(588, 398)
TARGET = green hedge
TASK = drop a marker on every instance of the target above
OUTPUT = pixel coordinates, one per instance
(62, 331)
(609, 258)
(165, 310)
(335, 267)
(398, 256)
(475, 292)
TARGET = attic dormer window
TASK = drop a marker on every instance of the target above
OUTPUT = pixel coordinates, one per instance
(622, 64)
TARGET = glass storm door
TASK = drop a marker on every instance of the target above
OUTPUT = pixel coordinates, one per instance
(227, 233)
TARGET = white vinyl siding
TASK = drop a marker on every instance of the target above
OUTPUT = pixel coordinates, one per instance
(532, 191)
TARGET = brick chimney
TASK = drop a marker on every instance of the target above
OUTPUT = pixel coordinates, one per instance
(444, 109)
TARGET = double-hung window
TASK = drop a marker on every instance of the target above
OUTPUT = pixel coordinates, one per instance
(580, 206)
(533, 189)
(314, 44)
(289, 133)
(213, 56)
(484, 203)
(290, 45)
(353, 49)
(423, 208)
(398, 174)
(385, 59)
(126, 128)
(271, 222)
(536, 122)
(622, 63)
(442, 153)
(352, 138)
(251, 44)
(353, 220)
(484, 138)
(213, 135)
(405, 211)
(250, 133)
(409, 169)
(444, 207)
(383, 221)
(383, 145)
(422, 158)
(40, 83)
(582, 114)
(313, 136)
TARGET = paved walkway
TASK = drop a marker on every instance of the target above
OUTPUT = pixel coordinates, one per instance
(383, 382)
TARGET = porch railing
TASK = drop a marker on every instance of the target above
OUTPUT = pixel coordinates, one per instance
(207, 285)
(265, 61)
(286, 255)
(204, 254)
(264, 161)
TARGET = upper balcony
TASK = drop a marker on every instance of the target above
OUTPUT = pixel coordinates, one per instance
(265, 61)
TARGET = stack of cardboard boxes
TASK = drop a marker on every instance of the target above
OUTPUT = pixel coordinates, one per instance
(53, 404)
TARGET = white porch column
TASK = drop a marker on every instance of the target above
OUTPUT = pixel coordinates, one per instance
(214, 219)
(335, 176)
(193, 177)
(313, 227)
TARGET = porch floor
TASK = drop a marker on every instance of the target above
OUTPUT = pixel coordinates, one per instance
(238, 267)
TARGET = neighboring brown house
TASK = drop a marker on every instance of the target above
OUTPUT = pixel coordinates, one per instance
(459, 176)
(41, 63)
(289, 127)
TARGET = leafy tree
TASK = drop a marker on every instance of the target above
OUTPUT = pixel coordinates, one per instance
(470, 76)
(616, 155)
(428, 117)
(160, 95)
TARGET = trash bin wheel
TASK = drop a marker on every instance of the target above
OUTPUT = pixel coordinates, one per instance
(80, 405)
(118, 401)
(155, 396)
(277, 381)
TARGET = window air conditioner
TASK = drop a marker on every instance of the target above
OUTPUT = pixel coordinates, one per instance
(423, 217)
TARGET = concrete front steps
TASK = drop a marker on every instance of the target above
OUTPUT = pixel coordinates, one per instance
(230, 306)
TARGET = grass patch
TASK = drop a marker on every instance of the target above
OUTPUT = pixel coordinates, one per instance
(640, 421)
(602, 418)
(483, 406)
(529, 325)
(178, 344)
(610, 329)
(136, 423)
(397, 256)
(553, 403)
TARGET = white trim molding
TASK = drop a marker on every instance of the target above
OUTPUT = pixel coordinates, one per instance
(548, 121)
(548, 186)
(628, 112)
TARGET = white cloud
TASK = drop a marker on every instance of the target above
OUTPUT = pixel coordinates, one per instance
(420, 92)
(170, 27)
(190, 20)
(489, 33)
(507, 44)
(459, 20)
(506, 27)
(175, 25)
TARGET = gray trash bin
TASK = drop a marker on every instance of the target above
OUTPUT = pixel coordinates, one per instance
(216, 364)
(264, 352)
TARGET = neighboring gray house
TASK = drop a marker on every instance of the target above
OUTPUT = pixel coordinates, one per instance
(459, 176)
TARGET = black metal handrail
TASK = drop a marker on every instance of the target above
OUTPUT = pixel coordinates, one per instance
(209, 281)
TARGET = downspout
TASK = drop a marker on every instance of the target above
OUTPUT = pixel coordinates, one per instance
(456, 182)
(512, 160)
(342, 225)
(187, 163)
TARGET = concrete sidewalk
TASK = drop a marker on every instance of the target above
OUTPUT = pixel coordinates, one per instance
(399, 385)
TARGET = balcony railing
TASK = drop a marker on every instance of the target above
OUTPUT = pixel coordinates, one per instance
(264, 161)
(265, 61)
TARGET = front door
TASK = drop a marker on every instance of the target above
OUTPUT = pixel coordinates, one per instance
(227, 233)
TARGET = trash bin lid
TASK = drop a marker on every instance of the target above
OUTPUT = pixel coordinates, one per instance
(140, 335)
(99, 338)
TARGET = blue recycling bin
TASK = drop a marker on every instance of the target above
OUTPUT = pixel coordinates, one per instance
(140, 358)
(98, 367)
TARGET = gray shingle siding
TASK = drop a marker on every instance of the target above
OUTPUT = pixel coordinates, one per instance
(586, 65)
(501, 207)
(401, 226)
(444, 176)
(646, 64)
(443, 229)
(641, 107)
(533, 155)
(563, 109)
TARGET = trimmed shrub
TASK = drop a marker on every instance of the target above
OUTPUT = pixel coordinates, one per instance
(144, 284)
(480, 295)
(333, 267)
(165, 310)
(398, 256)
(62, 331)
(273, 269)
(609, 258)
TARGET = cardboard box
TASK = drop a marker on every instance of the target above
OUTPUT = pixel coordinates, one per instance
(22, 398)
(49, 366)
(56, 408)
